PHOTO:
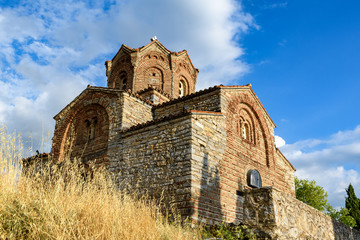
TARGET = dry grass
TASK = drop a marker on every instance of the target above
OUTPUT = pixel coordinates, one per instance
(66, 207)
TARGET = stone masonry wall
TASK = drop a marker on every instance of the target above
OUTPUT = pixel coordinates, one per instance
(155, 159)
(134, 111)
(207, 149)
(277, 215)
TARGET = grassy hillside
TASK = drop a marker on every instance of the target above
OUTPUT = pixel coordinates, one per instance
(59, 204)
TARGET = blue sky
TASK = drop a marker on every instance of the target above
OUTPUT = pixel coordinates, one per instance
(301, 57)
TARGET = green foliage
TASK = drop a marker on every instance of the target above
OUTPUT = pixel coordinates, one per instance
(342, 215)
(312, 194)
(228, 232)
(352, 204)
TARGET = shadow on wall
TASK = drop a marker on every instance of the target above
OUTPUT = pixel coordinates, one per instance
(209, 201)
(239, 204)
(342, 231)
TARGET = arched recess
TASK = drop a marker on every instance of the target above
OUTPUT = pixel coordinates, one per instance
(154, 77)
(122, 64)
(86, 135)
(246, 125)
(242, 108)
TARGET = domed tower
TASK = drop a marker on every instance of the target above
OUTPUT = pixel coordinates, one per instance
(152, 71)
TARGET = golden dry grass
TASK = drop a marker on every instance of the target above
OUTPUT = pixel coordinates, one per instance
(64, 206)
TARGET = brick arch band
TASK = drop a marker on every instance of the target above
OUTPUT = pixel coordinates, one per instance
(249, 117)
(245, 103)
(86, 134)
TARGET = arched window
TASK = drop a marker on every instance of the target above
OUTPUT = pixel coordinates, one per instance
(123, 80)
(181, 88)
(254, 179)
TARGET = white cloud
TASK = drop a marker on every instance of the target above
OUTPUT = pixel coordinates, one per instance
(332, 162)
(279, 141)
(50, 50)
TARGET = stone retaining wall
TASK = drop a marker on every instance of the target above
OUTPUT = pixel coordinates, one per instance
(277, 215)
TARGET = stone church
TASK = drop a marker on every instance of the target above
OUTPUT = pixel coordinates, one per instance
(199, 150)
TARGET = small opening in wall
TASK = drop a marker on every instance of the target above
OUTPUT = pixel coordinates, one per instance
(239, 193)
(181, 89)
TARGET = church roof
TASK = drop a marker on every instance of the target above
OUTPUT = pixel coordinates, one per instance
(170, 117)
(101, 89)
(214, 88)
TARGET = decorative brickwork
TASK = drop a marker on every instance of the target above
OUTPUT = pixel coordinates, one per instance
(88, 124)
(152, 66)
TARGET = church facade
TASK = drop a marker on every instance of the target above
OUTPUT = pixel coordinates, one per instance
(149, 127)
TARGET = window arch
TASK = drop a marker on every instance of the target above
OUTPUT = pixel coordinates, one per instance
(183, 87)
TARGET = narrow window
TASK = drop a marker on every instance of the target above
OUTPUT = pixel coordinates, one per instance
(123, 80)
(88, 129)
(91, 127)
(181, 88)
(245, 131)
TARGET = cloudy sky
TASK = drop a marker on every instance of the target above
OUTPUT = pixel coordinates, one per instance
(301, 56)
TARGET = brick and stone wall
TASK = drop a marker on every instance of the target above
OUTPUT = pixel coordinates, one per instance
(277, 215)
(208, 100)
(88, 125)
(155, 159)
(193, 151)
(94, 112)
(207, 151)
(257, 151)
